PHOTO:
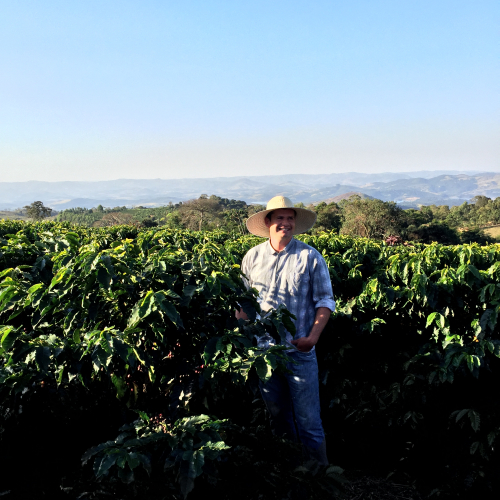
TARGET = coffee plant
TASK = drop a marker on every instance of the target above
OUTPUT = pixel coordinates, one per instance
(120, 352)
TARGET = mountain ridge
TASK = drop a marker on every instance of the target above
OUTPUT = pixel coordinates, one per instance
(405, 188)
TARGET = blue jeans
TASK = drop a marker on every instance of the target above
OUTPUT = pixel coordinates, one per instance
(292, 400)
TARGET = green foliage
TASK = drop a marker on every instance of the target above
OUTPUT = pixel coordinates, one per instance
(355, 216)
(328, 217)
(130, 321)
(192, 443)
(433, 231)
(371, 218)
(135, 319)
(414, 339)
(37, 211)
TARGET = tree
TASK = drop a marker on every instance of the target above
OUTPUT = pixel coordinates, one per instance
(235, 218)
(172, 221)
(116, 219)
(418, 217)
(149, 222)
(37, 211)
(480, 201)
(438, 212)
(435, 231)
(195, 213)
(371, 218)
(253, 209)
(460, 216)
(328, 217)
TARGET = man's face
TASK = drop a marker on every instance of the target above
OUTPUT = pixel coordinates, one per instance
(282, 224)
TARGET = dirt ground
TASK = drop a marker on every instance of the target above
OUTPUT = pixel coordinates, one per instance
(375, 488)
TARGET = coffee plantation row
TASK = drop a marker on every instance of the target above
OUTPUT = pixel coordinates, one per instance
(123, 369)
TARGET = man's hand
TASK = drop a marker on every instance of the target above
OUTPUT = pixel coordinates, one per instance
(241, 314)
(304, 344)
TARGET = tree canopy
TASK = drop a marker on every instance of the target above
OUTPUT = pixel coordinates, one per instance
(37, 211)
(355, 216)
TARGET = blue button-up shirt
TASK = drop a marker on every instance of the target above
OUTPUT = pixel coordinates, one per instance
(297, 277)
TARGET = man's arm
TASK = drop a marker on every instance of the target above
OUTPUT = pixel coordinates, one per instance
(323, 301)
(305, 344)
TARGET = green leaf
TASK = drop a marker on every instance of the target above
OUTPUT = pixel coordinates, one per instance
(143, 415)
(60, 374)
(167, 308)
(491, 437)
(334, 469)
(271, 360)
(58, 277)
(470, 362)
(34, 288)
(211, 349)
(189, 291)
(142, 309)
(106, 260)
(171, 293)
(126, 475)
(264, 371)
(107, 462)
(219, 445)
(121, 460)
(442, 321)
(120, 348)
(6, 272)
(196, 464)
(104, 277)
(430, 318)
(474, 420)
(289, 324)
(121, 386)
(461, 413)
(8, 336)
(489, 319)
(9, 294)
(474, 271)
(133, 460)
(146, 463)
(187, 485)
(42, 358)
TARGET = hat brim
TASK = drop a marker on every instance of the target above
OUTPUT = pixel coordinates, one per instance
(304, 221)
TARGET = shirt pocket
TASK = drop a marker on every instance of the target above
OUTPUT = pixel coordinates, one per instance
(298, 283)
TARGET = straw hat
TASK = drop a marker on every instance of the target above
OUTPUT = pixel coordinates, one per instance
(304, 219)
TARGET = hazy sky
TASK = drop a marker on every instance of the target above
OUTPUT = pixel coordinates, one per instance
(94, 90)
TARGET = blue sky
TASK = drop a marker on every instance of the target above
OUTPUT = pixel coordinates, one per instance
(125, 89)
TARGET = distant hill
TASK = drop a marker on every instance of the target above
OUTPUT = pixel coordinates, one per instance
(407, 189)
(345, 196)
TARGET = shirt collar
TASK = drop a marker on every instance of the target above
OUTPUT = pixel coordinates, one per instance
(289, 248)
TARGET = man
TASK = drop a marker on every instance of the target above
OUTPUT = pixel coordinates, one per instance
(286, 271)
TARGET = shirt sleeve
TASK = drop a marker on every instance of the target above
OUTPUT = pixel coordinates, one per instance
(321, 284)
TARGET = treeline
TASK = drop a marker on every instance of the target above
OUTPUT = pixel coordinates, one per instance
(379, 219)
(355, 216)
(197, 214)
